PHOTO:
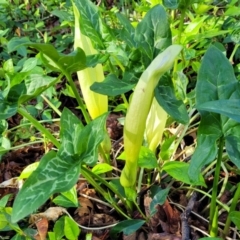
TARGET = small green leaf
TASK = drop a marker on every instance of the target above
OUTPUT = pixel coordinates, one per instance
(165, 95)
(59, 228)
(102, 168)
(210, 238)
(28, 170)
(235, 218)
(71, 229)
(112, 86)
(179, 171)
(63, 202)
(158, 198)
(127, 227)
(167, 148)
(147, 158)
(36, 84)
(4, 200)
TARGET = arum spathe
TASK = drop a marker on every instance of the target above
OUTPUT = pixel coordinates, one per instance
(97, 104)
(138, 111)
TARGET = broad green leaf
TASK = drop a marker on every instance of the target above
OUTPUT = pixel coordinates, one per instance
(153, 34)
(71, 229)
(127, 31)
(35, 85)
(171, 4)
(159, 198)
(16, 43)
(63, 15)
(29, 64)
(90, 22)
(112, 86)
(87, 141)
(179, 171)
(231, 107)
(165, 95)
(127, 227)
(102, 168)
(216, 82)
(71, 195)
(93, 60)
(73, 62)
(147, 158)
(28, 170)
(235, 218)
(54, 174)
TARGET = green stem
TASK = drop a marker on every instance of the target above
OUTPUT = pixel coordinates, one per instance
(125, 100)
(103, 181)
(77, 96)
(21, 146)
(89, 176)
(37, 125)
(233, 52)
(232, 208)
(215, 186)
(180, 28)
(51, 105)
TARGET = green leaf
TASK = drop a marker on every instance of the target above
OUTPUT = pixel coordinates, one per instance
(179, 171)
(36, 84)
(67, 199)
(159, 198)
(102, 168)
(59, 228)
(153, 33)
(86, 143)
(7, 109)
(127, 227)
(112, 86)
(165, 96)
(127, 31)
(171, 4)
(93, 60)
(4, 200)
(216, 82)
(73, 62)
(231, 107)
(71, 229)
(147, 158)
(90, 22)
(210, 238)
(28, 170)
(54, 174)
(17, 43)
(235, 218)
(167, 148)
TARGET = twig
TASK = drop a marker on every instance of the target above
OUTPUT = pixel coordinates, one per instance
(184, 217)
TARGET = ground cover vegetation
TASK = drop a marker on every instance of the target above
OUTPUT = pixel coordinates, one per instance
(120, 119)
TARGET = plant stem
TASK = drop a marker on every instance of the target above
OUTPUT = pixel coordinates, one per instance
(38, 126)
(232, 208)
(77, 96)
(88, 175)
(233, 52)
(215, 186)
(51, 105)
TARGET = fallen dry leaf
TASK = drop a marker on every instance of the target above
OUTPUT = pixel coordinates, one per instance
(12, 183)
(85, 208)
(42, 227)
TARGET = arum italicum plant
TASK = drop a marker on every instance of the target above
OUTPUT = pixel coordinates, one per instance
(96, 104)
(137, 114)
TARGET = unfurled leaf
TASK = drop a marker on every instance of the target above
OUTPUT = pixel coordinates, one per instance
(165, 95)
(159, 198)
(112, 86)
(179, 171)
(147, 158)
(127, 227)
(102, 168)
(153, 33)
(71, 229)
(235, 218)
(171, 4)
(216, 84)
